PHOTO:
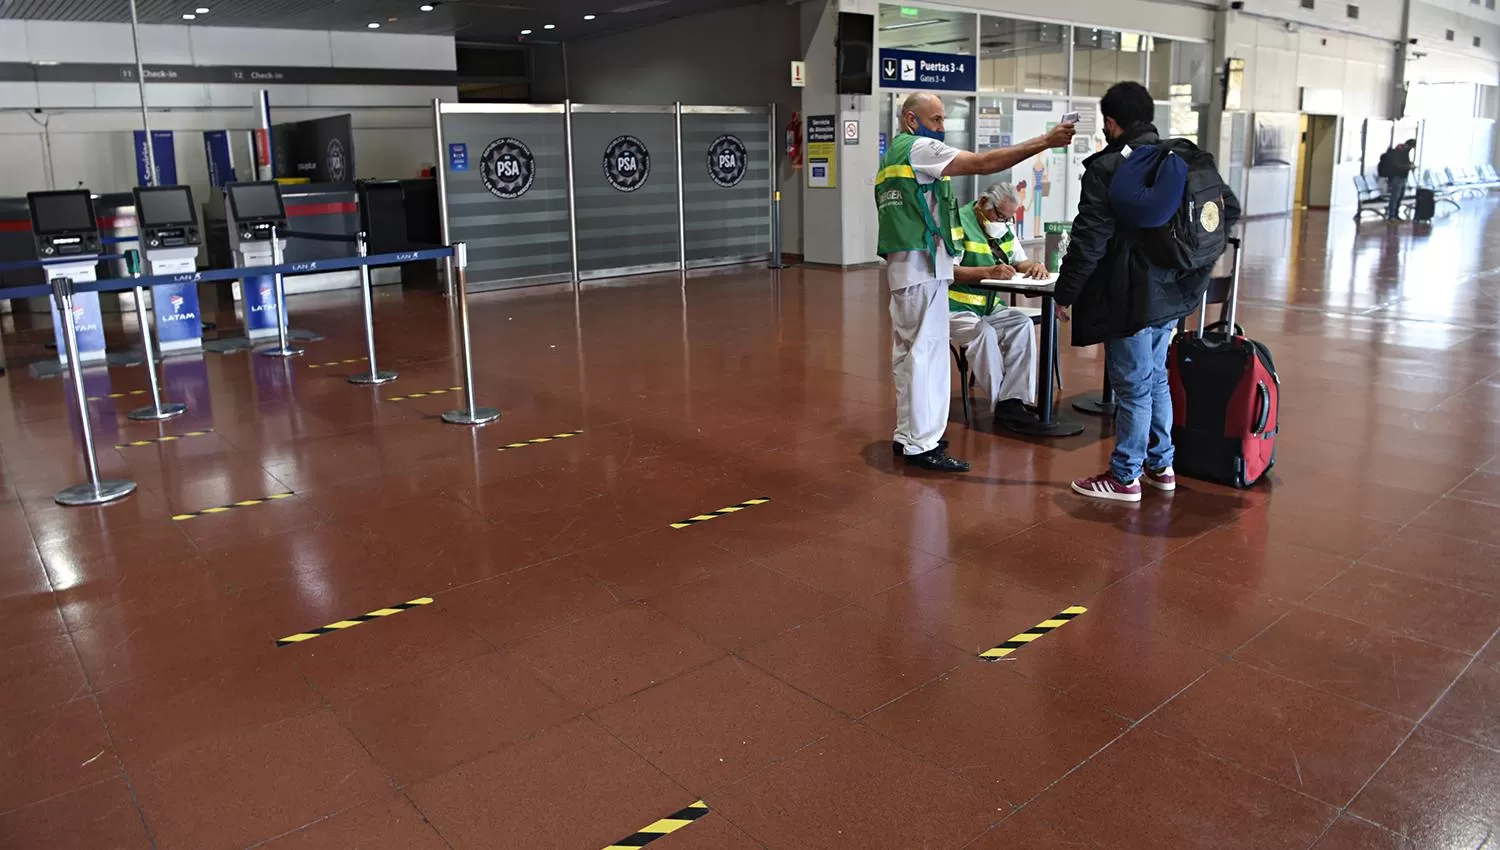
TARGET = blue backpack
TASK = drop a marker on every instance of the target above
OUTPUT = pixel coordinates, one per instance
(1172, 193)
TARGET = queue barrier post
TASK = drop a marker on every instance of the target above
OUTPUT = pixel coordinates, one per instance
(93, 491)
(374, 376)
(156, 411)
(471, 415)
(282, 349)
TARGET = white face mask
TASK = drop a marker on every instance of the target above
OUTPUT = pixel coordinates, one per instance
(995, 229)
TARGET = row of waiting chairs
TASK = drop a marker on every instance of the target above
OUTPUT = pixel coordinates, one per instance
(1447, 184)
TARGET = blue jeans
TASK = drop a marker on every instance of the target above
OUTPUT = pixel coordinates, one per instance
(1397, 187)
(1143, 402)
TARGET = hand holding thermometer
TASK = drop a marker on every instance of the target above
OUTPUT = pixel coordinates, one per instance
(1071, 118)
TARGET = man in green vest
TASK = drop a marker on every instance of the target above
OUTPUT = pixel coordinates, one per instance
(921, 241)
(997, 339)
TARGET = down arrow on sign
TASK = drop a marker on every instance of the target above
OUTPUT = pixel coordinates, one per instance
(890, 69)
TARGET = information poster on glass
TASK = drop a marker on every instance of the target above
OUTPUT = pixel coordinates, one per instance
(822, 151)
(1039, 181)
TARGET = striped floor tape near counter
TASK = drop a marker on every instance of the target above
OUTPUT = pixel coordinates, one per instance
(664, 827)
(350, 623)
(732, 509)
(333, 363)
(170, 438)
(537, 441)
(248, 503)
(126, 394)
(1057, 621)
(426, 394)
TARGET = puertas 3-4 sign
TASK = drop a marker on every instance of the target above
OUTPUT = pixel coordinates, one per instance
(916, 69)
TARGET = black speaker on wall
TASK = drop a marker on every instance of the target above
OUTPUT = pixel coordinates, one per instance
(856, 53)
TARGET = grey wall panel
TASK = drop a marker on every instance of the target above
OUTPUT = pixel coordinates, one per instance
(517, 239)
(619, 229)
(725, 221)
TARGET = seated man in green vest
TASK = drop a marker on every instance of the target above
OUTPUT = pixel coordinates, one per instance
(997, 339)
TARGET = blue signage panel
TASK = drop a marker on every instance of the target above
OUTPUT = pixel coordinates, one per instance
(916, 69)
(458, 157)
(259, 294)
(883, 141)
(88, 324)
(220, 158)
(178, 325)
(166, 158)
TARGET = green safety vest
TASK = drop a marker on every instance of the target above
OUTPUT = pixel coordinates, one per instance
(905, 219)
(977, 252)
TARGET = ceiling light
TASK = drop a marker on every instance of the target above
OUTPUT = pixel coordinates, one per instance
(372, 25)
(425, 7)
(589, 17)
(549, 26)
(189, 17)
(525, 32)
(201, 10)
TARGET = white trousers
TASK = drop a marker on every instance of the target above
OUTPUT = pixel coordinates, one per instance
(919, 364)
(1001, 350)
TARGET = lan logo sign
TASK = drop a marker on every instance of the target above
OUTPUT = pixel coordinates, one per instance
(915, 69)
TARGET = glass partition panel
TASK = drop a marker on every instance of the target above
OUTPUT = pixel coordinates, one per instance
(626, 190)
(958, 126)
(507, 195)
(1041, 181)
(1027, 57)
(933, 30)
(1180, 69)
(726, 161)
(1102, 58)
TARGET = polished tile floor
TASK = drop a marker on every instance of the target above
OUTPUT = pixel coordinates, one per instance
(1313, 663)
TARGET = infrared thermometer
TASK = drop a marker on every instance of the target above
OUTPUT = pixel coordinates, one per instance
(1071, 118)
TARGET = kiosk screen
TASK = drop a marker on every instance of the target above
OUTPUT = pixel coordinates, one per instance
(169, 206)
(252, 202)
(55, 213)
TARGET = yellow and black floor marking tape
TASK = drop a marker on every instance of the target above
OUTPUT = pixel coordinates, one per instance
(336, 363)
(424, 395)
(1057, 621)
(665, 826)
(170, 438)
(354, 621)
(126, 394)
(732, 509)
(524, 443)
(274, 497)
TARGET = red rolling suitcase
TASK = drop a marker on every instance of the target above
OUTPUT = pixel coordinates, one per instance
(1225, 394)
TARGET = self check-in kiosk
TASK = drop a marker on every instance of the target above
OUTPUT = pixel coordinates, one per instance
(66, 233)
(256, 218)
(170, 239)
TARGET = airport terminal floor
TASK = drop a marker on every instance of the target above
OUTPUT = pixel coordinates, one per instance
(556, 660)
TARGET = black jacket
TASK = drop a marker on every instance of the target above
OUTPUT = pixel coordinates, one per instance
(1113, 291)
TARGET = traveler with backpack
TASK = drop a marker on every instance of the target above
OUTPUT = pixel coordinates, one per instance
(1152, 220)
(1395, 166)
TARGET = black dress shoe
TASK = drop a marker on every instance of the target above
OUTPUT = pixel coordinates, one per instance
(937, 460)
(898, 449)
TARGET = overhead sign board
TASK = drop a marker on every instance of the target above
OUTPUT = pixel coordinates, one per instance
(916, 69)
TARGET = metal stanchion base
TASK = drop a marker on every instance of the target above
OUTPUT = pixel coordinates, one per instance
(1094, 405)
(157, 414)
(377, 378)
(90, 494)
(1055, 428)
(283, 352)
(480, 416)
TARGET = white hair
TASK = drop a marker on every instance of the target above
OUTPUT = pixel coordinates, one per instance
(1001, 192)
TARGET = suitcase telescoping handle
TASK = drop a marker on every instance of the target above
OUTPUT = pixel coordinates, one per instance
(1234, 297)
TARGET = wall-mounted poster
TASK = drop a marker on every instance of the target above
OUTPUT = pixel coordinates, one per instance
(1276, 138)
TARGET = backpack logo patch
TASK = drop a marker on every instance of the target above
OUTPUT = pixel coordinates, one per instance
(1209, 217)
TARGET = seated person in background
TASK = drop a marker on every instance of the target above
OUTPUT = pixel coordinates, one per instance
(996, 338)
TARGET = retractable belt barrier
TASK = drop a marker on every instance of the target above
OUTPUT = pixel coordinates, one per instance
(62, 289)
